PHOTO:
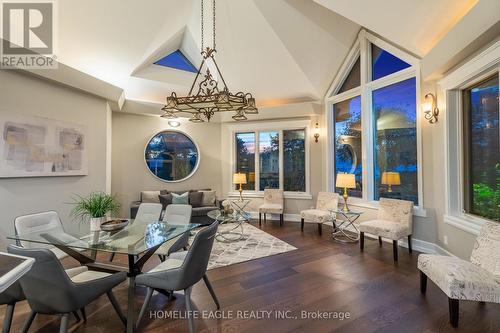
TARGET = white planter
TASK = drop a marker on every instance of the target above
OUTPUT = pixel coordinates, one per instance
(95, 223)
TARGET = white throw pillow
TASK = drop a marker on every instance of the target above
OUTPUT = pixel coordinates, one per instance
(208, 198)
(150, 196)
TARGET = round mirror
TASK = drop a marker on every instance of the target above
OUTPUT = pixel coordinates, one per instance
(172, 156)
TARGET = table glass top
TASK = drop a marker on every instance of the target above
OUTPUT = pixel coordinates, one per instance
(134, 239)
(235, 216)
(343, 212)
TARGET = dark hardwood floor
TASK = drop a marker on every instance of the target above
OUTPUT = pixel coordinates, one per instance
(321, 275)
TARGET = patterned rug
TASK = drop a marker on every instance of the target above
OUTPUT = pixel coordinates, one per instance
(255, 244)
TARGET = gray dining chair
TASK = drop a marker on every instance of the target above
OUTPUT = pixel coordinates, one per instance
(175, 214)
(148, 212)
(10, 297)
(181, 271)
(51, 290)
(38, 223)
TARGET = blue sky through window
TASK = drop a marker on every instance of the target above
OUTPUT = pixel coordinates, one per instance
(178, 61)
(384, 63)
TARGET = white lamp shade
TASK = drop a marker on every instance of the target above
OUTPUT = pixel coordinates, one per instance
(239, 178)
(345, 180)
(390, 178)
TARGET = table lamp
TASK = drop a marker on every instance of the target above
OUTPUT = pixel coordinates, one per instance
(389, 179)
(345, 180)
(240, 179)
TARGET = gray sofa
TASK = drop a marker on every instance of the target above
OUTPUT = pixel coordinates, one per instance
(199, 213)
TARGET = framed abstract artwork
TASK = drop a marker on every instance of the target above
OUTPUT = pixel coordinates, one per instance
(41, 147)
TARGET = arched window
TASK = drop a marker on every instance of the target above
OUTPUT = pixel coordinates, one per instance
(373, 124)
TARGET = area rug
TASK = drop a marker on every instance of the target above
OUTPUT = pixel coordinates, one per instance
(255, 244)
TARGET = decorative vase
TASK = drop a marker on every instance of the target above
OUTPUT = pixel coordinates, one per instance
(95, 223)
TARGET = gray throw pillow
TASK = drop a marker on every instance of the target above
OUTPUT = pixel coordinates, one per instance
(208, 198)
(150, 196)
(182, 199)
(165, 199)
(196, 199)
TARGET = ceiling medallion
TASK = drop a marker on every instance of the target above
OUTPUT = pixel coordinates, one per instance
(209, 98)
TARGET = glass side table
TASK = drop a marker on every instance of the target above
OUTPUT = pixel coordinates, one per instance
(344, 229)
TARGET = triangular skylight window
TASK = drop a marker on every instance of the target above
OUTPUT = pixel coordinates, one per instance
(384, 63)
(352, 80)
(178, 61)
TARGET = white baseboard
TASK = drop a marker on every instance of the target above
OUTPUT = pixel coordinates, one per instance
(417, 244)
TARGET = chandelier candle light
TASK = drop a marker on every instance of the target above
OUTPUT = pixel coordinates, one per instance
(205, 97)
(345, 181)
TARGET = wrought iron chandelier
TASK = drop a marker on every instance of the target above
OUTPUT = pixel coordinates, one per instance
(209, 98)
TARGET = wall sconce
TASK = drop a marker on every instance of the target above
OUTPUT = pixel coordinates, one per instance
(430, 108)
(316, 132)
(174, 123)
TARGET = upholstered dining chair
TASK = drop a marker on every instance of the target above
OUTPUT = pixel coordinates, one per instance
(475, 280)
(181, 271)
(175, 214)
(45, 222)
(51, 290)
(326, 201)
(394, 221)
(274, 203)
(10, 297)
(149, 212)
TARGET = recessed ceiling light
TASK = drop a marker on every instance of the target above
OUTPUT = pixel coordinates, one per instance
(174, 123)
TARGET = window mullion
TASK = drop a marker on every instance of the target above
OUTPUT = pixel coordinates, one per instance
(280, 158)
(257, 161)
(366, 121)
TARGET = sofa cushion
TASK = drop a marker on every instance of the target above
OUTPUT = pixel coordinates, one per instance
(195, 198)
(200, 211)
(165, 200)
(180, 199)
(208, 198)
(150, 196)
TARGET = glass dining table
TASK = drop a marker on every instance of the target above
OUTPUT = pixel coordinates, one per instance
(138, 240)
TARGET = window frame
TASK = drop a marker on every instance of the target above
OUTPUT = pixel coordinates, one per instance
(278, 126)
(362, 49)
(486, 63)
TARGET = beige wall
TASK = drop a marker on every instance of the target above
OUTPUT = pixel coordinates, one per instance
(26, 95)
(130, 176)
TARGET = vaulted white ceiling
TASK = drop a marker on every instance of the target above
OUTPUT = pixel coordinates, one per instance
(280, 50)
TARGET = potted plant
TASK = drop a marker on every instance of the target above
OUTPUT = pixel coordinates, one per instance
(95, 206)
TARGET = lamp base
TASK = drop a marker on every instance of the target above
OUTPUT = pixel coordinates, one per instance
(241, 193)
(345, 209)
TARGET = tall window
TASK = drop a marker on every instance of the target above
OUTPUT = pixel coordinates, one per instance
(395, 141)
(373, 121)
(281, 161)
(269, 144)
(482, 149)
(348, 157)
(294, 162)
(245, 158)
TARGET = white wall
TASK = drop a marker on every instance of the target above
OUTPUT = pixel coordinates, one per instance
(130, 176)
(21, 94)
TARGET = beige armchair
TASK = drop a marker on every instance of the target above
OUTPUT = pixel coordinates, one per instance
(395, 221)
(273, 204)
(320, 214)
(475, 280)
